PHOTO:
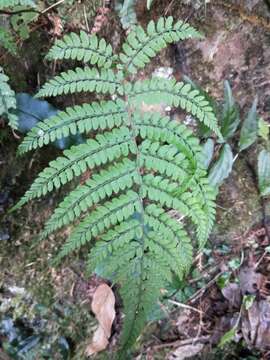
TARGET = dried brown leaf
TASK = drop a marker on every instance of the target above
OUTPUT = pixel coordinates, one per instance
(256, 325)
(103, 307)
(232, 293)
(250, 280)
(186, 351)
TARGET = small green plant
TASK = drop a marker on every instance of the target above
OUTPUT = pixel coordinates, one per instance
(229, 121)
(143, 165)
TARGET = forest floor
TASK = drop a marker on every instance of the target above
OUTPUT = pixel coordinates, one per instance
(54, 304)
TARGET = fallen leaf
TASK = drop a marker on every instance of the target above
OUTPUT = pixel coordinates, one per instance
(256, 325)
(250, 281)
(232, 293)
(103, 307)
(186, 351)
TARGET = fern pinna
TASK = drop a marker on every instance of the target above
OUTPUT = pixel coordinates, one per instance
(7, 101)
(143, 165)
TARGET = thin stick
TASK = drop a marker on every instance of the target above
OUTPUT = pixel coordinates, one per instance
(180, 343)
(85, 19)
(197, 294)
(52, 6)
(184, 306)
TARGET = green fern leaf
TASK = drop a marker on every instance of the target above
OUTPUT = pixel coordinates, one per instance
(82, 47)
(175, 94)
(82, 80)
(111, 213)
(7, 101)
(147, 167)
(103, 185)
(157, 128)
(75, 120)
(141, 46)
(77, 160)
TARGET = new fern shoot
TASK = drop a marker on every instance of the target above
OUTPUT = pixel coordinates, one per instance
(143, 165)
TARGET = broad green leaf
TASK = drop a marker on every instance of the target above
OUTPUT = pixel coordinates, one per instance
(227, 337)
(230, 117)
(207, 152)
(263, 129)
(249, 130)
(222, 168)
(264, 172)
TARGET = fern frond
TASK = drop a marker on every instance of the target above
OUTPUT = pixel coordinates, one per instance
(102, 185)
(82, 47)
(147, 166)
(77, 160)
(176, 94)
(5, 4)
(75, 120)
(7, 101)
(141, 46)
(79, 80)
(110, 213)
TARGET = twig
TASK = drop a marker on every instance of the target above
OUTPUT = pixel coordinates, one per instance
(185, 306)
(260, 259)
(179, 343)
(197, 294)
(168, 7)
(85, 19)
(52, 6)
